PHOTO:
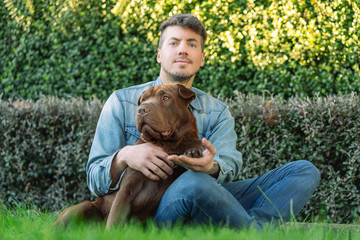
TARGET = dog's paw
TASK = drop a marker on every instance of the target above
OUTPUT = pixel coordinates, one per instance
(193, 153)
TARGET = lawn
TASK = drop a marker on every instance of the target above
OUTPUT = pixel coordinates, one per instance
(21, 223)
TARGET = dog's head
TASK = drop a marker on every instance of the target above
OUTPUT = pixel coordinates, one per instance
(163, 112)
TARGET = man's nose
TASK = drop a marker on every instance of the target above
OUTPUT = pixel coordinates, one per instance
(183, 49)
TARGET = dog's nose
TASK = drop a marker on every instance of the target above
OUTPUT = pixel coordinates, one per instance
(142, 110)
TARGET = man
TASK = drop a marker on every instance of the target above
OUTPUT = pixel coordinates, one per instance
(208, 193)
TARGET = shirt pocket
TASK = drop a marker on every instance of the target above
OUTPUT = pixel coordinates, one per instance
(132, 135)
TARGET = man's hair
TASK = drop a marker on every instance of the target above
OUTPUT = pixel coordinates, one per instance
(185, 21)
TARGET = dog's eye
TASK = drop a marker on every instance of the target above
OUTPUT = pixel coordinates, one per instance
(165, 98)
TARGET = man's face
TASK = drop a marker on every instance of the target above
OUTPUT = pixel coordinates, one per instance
(180, 55)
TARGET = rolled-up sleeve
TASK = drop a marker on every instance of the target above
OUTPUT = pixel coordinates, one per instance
(223, 137)
(108, 140)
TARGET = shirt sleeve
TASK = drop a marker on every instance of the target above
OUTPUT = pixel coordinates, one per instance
(223, 137)
(108, 140)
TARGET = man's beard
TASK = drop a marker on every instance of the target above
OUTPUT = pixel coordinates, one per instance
(179, 78)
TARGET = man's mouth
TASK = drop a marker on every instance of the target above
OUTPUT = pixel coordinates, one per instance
(182, 60)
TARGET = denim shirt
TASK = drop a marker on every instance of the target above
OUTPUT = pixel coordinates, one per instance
(116, 129)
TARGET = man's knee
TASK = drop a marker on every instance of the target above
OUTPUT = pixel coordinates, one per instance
(309, 171)
(181, 199)
(192, 184)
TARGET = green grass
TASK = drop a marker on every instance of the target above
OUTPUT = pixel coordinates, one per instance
(22, 223)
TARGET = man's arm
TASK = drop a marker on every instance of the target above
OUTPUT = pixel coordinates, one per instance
(224, 138)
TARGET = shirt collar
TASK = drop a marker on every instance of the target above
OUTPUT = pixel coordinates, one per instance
(158, 81)
(195, 104)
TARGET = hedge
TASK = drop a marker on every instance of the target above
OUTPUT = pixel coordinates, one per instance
(45, 144)
(90, 48)
(43, 150)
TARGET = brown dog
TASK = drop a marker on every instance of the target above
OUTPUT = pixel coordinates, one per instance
(164, 119)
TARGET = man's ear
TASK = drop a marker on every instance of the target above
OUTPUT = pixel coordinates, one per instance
(186, 93)
(158, 56)
(202, 63)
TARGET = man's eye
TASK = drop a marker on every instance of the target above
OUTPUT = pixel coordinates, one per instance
(165, 98)
(173, 43)
(192, 45)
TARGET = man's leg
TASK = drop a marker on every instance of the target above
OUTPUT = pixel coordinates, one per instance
(288, 187)
(197, 197)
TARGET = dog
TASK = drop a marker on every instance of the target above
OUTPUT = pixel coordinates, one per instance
(163, 118)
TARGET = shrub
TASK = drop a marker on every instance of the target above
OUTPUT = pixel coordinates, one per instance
(324, 131)
(46, 142)
(44, 150)
(90, 48)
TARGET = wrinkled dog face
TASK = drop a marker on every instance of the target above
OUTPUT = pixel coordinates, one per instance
(162, 110)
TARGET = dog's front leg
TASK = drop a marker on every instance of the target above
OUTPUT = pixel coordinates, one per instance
(120, 209)
(130, 186)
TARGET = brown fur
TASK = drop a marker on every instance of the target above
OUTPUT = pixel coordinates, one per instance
(164, 119)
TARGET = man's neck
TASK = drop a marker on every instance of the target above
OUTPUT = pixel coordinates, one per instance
(165, 80)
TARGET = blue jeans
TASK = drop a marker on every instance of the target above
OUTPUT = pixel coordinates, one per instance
(196, 197)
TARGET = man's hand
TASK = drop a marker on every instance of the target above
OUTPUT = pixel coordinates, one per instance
(147, 158)
(203, 164)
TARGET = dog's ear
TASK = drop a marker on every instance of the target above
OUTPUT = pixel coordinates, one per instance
(186, 93)
(146, 94)
(141, 98)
